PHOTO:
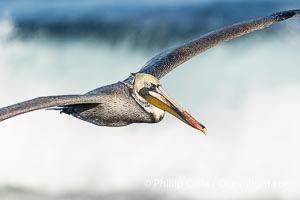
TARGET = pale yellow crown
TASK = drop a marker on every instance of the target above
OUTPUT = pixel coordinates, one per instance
(141, 79)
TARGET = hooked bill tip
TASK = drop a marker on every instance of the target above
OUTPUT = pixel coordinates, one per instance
(201, 128)
(194, 123)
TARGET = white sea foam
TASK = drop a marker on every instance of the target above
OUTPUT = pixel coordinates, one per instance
(247, 94)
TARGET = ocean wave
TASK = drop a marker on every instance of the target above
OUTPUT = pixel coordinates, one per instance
(246, 93)
(246, 98)
(144, 26)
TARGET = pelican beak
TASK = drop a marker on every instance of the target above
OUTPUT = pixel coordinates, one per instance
(162, 100)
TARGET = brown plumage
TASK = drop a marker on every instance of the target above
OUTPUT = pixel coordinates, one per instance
(140, 98)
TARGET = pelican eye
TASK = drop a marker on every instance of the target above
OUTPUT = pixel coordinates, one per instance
(150, 86)
(153, 86)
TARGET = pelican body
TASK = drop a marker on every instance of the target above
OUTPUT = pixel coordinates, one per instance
(114, 110)
(140, 98)
(131, 104)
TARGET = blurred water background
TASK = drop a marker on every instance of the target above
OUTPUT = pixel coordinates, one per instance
(245, 91)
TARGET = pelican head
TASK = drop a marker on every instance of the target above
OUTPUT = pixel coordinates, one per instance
(147, 87)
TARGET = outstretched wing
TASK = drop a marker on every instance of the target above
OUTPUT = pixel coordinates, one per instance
(45, 102)
(168, 60)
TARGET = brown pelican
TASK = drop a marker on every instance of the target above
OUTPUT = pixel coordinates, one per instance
(140, 98)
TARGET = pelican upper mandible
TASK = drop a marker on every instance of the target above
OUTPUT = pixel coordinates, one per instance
(140, 98)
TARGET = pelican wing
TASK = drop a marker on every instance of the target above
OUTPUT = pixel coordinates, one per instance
(168, 60)
(45, 102)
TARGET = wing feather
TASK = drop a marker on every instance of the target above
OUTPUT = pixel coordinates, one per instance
(45, 102)
(168, 60)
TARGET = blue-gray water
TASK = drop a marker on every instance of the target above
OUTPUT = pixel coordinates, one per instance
(246, 92)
